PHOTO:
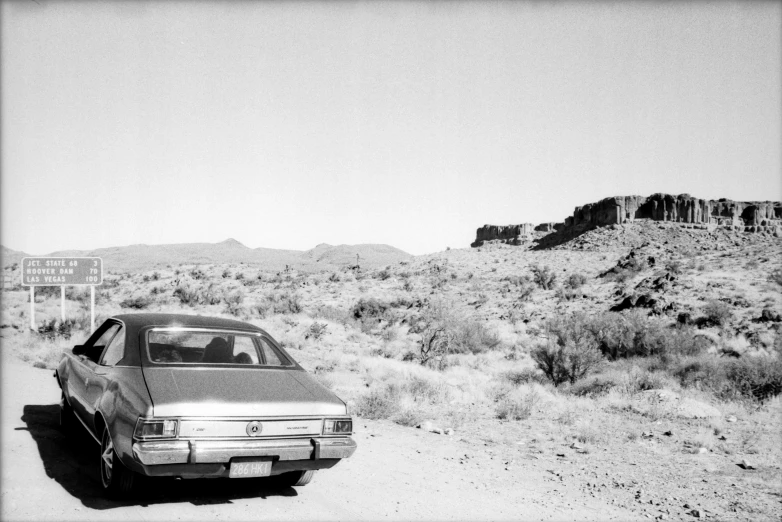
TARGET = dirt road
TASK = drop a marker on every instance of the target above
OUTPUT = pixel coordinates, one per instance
(397, 473)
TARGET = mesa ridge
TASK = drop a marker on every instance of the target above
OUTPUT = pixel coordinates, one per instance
(739, 216)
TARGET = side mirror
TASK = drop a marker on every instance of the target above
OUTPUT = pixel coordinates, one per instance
(79, 349)
(94, 353)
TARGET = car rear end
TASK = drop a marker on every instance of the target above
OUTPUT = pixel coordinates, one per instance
(233, 404)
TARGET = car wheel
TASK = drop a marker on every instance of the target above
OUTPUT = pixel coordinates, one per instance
(67, 419)
(117, 480)
(296, 478)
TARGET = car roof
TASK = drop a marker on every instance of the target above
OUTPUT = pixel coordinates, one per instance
(135, 321)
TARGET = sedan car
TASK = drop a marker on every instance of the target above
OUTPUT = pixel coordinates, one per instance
(191, 396)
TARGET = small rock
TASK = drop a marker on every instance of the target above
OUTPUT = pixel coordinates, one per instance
(668, 433)
(560, 454)
(426, 426)
(745, 464)
(695, 513)
(576, 446)
(439, 431)
(449, 431)
(731, 418)
(686, 506)
(702, 450)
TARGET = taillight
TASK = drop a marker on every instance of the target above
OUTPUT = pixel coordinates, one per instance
(337, 426)
(156, 428)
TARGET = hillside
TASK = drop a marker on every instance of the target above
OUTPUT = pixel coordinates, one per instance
(136, 258)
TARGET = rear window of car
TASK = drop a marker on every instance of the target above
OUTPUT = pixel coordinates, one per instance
(207, 348)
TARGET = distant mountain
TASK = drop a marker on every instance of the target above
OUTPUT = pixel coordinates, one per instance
(369, 255)
(8, 257)
(146, 257)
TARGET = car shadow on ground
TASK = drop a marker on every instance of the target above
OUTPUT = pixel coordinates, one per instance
(72, 461)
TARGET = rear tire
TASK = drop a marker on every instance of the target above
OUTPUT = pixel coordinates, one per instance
(117, 480)
(296, 478)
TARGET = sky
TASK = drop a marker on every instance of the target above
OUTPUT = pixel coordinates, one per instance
(289, 124)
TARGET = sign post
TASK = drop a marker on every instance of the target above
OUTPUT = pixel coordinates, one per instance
(62, 272)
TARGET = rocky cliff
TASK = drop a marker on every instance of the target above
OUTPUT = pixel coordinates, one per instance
(749, 216)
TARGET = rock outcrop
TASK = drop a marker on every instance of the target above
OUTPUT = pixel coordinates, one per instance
(747, 216)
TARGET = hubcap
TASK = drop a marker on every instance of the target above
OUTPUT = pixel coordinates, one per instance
(107, 458)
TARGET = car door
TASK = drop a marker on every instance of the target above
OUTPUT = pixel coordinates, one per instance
(102, 371)
(85, 383)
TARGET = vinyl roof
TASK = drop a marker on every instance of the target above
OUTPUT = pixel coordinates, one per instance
(157, 319)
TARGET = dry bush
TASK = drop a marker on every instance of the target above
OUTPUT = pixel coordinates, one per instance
(518, 404)
(748, 378)
(233, 301)
(570, 352)
(137, 302)
(575, 281)
(717, 313)
(445, 330)
(544, 276)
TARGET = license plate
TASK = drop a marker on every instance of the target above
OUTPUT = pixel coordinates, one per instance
(250, 469)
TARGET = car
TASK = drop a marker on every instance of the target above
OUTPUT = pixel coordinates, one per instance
(172, 395)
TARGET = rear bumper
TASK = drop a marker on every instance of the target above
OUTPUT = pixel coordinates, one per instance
(154, 453)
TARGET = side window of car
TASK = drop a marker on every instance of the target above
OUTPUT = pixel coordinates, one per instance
(115, 351)
(244, 350)
(103, 340)
(270, 355)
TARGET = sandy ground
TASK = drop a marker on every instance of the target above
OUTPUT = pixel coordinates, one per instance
(397, 474)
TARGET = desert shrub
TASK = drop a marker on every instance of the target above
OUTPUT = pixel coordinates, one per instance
(518, 404)
(634, 334)
(379, 403)
(187, 294)
(316, 331)
(575, 281)
(226, 274)
(197, 274)
(407, 286)
(567, 363)
(285, 303)
(233, 301)
(544, 277)
(595, 386)
(334, 277)
(674, 266)
(383, 274)
(369, 308)
(717, 313)
(445, 330)
(566, 294)
(753, 378)
(526, 289)
(570, 351)
(46, 292)
(138, 302)
(756, 377)
(475, 337)
(776, 276)
(524, 376)
(52, 328)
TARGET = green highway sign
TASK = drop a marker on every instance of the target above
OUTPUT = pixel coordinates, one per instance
(62, 271)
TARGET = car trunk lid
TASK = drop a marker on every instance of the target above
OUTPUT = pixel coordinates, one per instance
(237, 392)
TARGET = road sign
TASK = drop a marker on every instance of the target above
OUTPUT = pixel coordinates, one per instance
(62, 272)
(57, 271)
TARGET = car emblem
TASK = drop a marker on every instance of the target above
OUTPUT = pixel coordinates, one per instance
(254, 429)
